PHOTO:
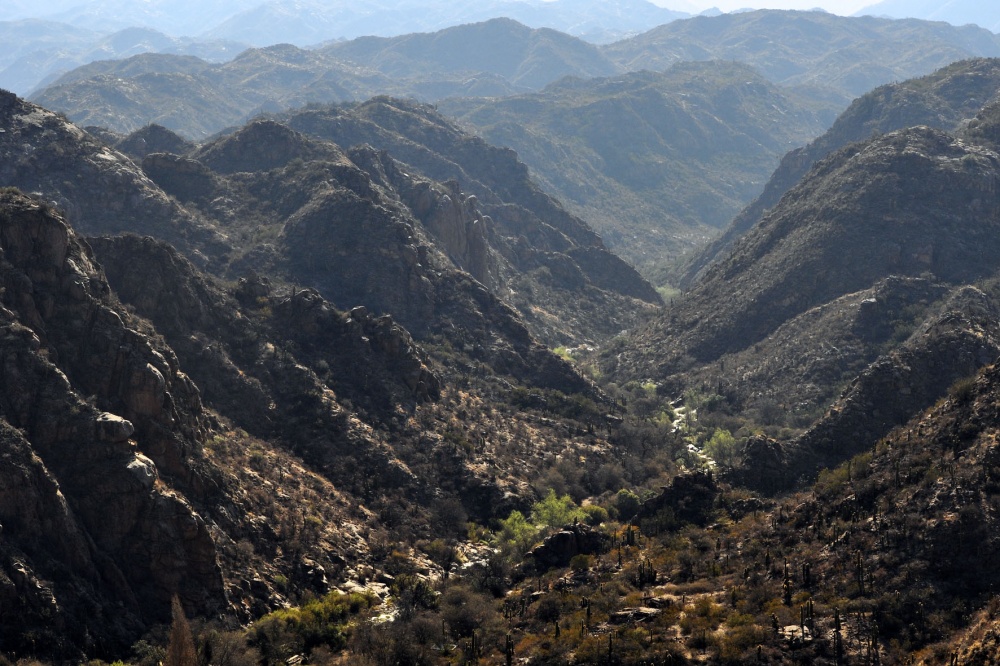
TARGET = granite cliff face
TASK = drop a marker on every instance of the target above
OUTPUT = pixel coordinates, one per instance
(103, 433)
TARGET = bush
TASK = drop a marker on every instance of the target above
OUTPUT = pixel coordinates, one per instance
(595, 514)
(723, 448)
(291, 631)
(581, 562)
(627, 503)
(555, 511)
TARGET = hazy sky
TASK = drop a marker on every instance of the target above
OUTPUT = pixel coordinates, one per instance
(842, 7)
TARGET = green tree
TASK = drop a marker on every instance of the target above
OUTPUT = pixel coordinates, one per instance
(627, 503)
(723, 448)
(516, 529)
(555, 511)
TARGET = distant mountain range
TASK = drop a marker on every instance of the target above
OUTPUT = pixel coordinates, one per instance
(36, 52)
(652, 197)
(39, 46)
(656, 161)
(309, 21)
(815, 49)
(956, 12)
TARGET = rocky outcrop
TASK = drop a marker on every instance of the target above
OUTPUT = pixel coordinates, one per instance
(558, 549)
(98, 189)
(184, 178)
(451, 217)
(688, 499)
(151, 139)
(261, 146)
(88, 470)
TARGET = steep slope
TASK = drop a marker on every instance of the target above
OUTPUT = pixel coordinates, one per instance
(949, 346)
(595, 298)
(100, 189)
(548, 249)
(655, 161)
(909, 202)
(855, 281)
(944, 100)
(97, 474)
(138, 492)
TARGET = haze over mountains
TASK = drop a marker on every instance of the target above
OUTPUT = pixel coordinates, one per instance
(955, 12)
(658, 196)
(42, 42)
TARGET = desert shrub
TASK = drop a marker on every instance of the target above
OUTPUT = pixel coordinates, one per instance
(723, 448)
(555, 511)
(581, 562)
(298, 630)
(595, 514)
(627, 503)
(465, 610)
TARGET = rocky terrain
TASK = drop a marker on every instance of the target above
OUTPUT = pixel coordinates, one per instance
(855, 301)
(344, 385)
(654, 193)
(948, 99)
(145, 483)
(261, 199)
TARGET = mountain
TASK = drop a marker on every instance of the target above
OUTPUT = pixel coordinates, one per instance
(717, 178)
(590, 292)
(528, 59)
(100, 190)
(198, 99)
(946, 99)
(195, 97)
(788, 48)
(236, 485)
(516, 240)
(655, 161)
(846, 57)
(292, 386)
(856, 282)
(41, 51)
(956, 12)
